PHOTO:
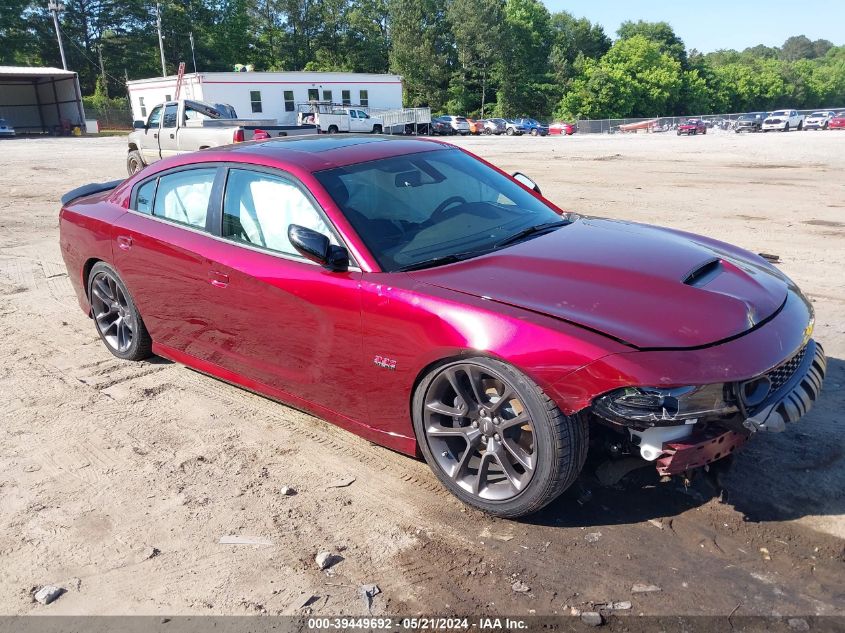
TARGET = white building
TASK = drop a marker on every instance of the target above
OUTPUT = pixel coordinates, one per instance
(269, 95)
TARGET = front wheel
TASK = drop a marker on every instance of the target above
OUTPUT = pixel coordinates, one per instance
(134, 162)
(786, 128)
(509, 131)
(534, 132)
(494, 439)
(115, 316)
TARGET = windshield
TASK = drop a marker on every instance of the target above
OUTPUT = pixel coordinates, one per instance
(419, 207)
(819, 114)
(780, 113)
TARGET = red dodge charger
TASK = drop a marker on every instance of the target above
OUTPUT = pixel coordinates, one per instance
(414, 294)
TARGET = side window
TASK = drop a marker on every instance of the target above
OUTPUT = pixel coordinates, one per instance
(183, 196)
(346, 97)
(364, 98)
(353, 114)
(289, 106)
(258, 209)
(144, 199)
(170, 115)
(313, 94)
(327, 95)
(155, 117)
(255, 100)
(143, 107)
(363, 115)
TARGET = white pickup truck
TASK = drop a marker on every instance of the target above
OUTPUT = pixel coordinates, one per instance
(783, 121)
(342, 120)
(177, 127)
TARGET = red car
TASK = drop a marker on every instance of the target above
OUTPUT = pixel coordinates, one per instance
(837, 122)
(563, 128)
(692, 126)
(414, 294)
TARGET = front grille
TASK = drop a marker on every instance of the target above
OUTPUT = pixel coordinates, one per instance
(783, 372)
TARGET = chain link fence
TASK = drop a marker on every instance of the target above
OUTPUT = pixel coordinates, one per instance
(669, 123)
(114, 114)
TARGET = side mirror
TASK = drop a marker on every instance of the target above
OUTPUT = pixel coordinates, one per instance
(139, 125)
(525, 180)
(316, 247)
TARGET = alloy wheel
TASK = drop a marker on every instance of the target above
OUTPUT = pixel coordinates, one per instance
(480, 432)
(112, 313)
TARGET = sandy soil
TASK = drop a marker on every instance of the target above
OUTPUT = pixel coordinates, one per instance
(117, 480)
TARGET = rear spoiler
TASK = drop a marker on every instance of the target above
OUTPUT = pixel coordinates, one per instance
(89, 190)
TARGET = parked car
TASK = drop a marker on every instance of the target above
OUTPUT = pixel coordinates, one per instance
(783, 121)
(495, 126)
(818, 120)
(177, 127)
(563, 128)
(692, 126)
(513, 127)
(459, 124)
(837, 122)
(441, 125)
(6, 130)
(491, 331)
(534, 127)
(750, 122)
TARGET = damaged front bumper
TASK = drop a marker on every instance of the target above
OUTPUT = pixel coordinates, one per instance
(767, 402)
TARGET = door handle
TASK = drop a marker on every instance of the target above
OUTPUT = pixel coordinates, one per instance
(218, 279)
(155, 135)
(172, 136)
(124, 242)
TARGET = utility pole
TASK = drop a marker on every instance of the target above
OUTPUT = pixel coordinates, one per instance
(193, 54)
(103, 68)
(160, 39)
(54, 8)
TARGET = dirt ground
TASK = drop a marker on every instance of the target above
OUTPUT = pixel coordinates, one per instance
(117, 480)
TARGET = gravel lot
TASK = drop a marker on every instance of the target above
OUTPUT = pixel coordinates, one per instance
(117, 480)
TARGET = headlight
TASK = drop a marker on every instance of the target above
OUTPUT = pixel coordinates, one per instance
(655, 406)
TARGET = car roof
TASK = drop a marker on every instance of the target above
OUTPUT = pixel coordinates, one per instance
(316, 152)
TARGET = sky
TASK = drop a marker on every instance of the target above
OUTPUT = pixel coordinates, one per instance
(714, 24)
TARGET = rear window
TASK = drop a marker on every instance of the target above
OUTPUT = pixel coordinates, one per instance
(460, 119)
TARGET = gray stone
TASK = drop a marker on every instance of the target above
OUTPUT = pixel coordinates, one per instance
(325, 560)
(798, 624)
(643, 588)
(620, 606)
(520, 587)
(48, 593)
(592, 618)
(592, 537)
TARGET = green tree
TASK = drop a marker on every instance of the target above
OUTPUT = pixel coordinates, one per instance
(476, 26)
(659, 32)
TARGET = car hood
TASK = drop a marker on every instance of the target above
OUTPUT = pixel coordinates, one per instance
(645, 286)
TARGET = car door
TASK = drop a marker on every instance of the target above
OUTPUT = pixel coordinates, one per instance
(149, 148)
(162, 248)
(289, 323)
(359, 122)
(167, 140)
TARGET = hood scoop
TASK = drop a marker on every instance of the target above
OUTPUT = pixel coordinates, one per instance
(703, 274)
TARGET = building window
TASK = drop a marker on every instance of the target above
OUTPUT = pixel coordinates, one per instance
(167, 98)
(364, 98)
(289, 106)
(255, 100)
(143, 107)
(346, 96)
(313, 94)
(327, 95)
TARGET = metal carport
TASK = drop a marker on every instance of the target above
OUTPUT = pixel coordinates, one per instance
(40, 100)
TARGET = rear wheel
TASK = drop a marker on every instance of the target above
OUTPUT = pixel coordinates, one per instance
(800, 125)
(376, 129)
(494, 439)
(115, 316)
(332, 129)
(134, 162)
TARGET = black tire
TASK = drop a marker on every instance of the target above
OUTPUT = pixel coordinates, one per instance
(377, 129)
(139, 347)
(558, 442)
(509, 131)
(332, 129)
(786, 128)
(134, 162)
(487, 131)
(534, 132)
(800, 125)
